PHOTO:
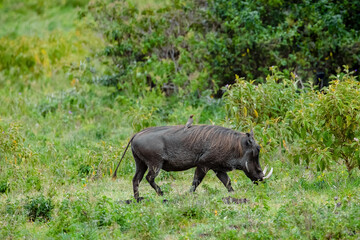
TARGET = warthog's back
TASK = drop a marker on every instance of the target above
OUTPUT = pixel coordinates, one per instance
(178, 150)
(165, 145)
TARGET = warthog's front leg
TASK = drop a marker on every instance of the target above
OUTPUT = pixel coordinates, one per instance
(225, 179)
(200, 173)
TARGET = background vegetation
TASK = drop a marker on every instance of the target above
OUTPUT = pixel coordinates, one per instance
(78, 78)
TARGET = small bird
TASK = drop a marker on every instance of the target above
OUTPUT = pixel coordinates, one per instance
(189, 122)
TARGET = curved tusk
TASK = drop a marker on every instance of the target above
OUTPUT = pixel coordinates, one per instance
(246, 165)
(265, 169)
(269, 175)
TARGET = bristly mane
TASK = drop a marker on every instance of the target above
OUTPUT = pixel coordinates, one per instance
(217, 138)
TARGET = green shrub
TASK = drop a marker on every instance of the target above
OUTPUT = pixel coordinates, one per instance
(4, 186)
(12, 144)
(193, 212)
(311, 127)
(264, 108)
(10, 138)
(328, 125)
(84, 170)
(38, 208)
(249, 103)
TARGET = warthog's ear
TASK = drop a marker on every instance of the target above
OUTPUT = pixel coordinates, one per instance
(251, 134)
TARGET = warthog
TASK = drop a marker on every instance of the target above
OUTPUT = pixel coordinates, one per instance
(205, 147)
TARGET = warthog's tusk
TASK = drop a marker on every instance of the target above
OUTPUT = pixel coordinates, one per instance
(271, 171)
(246, 165)
(265, 169)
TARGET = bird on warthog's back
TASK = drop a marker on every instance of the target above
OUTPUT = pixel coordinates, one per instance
(189, 122)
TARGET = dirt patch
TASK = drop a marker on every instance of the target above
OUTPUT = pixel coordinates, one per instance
(204, 235)
(229, 200)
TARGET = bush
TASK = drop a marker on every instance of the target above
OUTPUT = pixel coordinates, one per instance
(264, 108)
(10, 138)
(12, 143)
(84, 170)
(38, 208)
(327, 125)
(4, 186)
(259, 103)
(311, 126)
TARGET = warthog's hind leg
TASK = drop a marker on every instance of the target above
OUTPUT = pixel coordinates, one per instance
(139, 174)
(198, 177)
(150, 177)
(225, 179)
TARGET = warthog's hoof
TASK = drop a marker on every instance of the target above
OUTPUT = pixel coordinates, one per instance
(126, 201)
(129, 201)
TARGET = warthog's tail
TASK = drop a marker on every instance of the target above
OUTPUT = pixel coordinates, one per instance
(114, 175)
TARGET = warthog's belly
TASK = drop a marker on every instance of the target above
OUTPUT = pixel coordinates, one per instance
(177, 166)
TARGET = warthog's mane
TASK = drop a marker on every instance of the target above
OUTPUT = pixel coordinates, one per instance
(216, 137)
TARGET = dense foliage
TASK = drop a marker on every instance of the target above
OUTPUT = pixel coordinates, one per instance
(38, 208)
(198, 45)
(304, 36)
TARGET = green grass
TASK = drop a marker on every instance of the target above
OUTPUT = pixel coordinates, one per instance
(284, 207)
(37, 25)
(64, 136)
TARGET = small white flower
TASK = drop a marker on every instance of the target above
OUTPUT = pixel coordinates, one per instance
(356, 139)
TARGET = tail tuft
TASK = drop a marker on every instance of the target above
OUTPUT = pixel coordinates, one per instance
(114, 177)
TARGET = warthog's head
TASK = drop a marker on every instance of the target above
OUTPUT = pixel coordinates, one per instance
(250, 161)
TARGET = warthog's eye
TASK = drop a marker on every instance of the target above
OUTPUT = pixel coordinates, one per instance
(250, 142)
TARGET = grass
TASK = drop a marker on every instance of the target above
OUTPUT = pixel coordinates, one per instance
(284, 207)
(37, 25)
(61, 138)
